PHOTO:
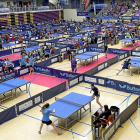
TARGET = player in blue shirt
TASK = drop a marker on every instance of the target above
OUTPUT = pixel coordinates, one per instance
(22, 62)
(31, 62)
(73, 65)
(96, 94)
(9, 65)
(126, 65)
(46, 120)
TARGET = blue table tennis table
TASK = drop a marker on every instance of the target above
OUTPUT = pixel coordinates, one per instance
(7, 45)
(70, 105)
(87, 29)
(128, 41)
(55, 35)
(11, 85)
(78, 37)
(87, 55)
(32, 48)
(135, 61)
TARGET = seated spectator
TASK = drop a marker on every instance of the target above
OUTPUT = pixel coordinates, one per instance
(9, 65)
(4, 67)
(105, 114)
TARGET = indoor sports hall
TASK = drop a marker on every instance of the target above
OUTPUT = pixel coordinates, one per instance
(69, 69)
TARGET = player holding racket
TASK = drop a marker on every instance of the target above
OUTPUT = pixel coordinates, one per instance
(46, 120)
(96, 94)
(73, 65)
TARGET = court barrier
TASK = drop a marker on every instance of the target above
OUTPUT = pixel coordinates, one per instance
(75, 80)
(21, 107)
(121, 119)
(114, 84)
(7, 114)
(135, 53)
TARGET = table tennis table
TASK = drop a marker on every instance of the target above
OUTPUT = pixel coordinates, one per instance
(32, 48)
(127, 41)
(7, 45)
(70, 105)
(135, 61)
(87, 55)
(55, 35)
(11, 85)
(87, 29)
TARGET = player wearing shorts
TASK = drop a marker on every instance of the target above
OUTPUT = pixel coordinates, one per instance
(126, 65)
(73, 65)
(105, 49)
(133, 42)
(46, 120)
(41, 53)
(31, 62)
(22, 62)
(96, 94)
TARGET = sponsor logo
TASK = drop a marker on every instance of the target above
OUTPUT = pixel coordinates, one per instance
(54, 60)
(0, 68)
(17, 50)
(130, 88)
(136, 53)
(121, 57)
(33, 38)
(48, 43)
(80, 51)
(8, 76)
(101, 81)
(25, 105)
(101, 67)
(90, 79)
(43, 70)
(73, 82)
(118, 51)
(80, 78)
(63, 50)
(97, 49)
(67, 75)
(101, 45)
(110, 82)
(24, 71)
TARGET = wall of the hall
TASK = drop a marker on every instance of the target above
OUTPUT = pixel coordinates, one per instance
(72, 14)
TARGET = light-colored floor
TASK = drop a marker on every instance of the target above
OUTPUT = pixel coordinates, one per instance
(25, 127)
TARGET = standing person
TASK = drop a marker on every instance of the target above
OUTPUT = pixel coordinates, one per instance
(89, 40)
(21, 40)
(52, 51)
(0, 45)
(9, 65)
(103, 36)
(31, 62)
(105, 49)
(46, 120)
(96, 93)
(41, 53)
(96, 39)
(126, 65)
(22, 61)
(74, 65)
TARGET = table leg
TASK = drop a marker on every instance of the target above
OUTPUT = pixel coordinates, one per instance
(26, 88)
(80, 113)
(66, 123)
(16, 93)
(12, 94)
(90, 106)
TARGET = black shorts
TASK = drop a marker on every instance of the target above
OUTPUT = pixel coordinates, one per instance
(105, 51)
(0, 46)
(97, 94)
(31, 66)
(103, 38)
(74, 69)
(47, 123)
(133, 41)
(125, 68)
(23, 66)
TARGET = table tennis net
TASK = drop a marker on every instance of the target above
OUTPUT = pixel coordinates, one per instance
(6, 84)
(69, 102)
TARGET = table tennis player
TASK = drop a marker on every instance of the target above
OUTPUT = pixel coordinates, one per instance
(22, 61)
(96, 94)
(126, 65)
(46, 120)
(105, 50)
(74, 65)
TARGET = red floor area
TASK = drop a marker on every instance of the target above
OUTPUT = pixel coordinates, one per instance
(131, 47)
(84, 68)
(12, 57)
(43, 80)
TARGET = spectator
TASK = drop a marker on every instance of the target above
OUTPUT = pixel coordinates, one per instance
(9, 65)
